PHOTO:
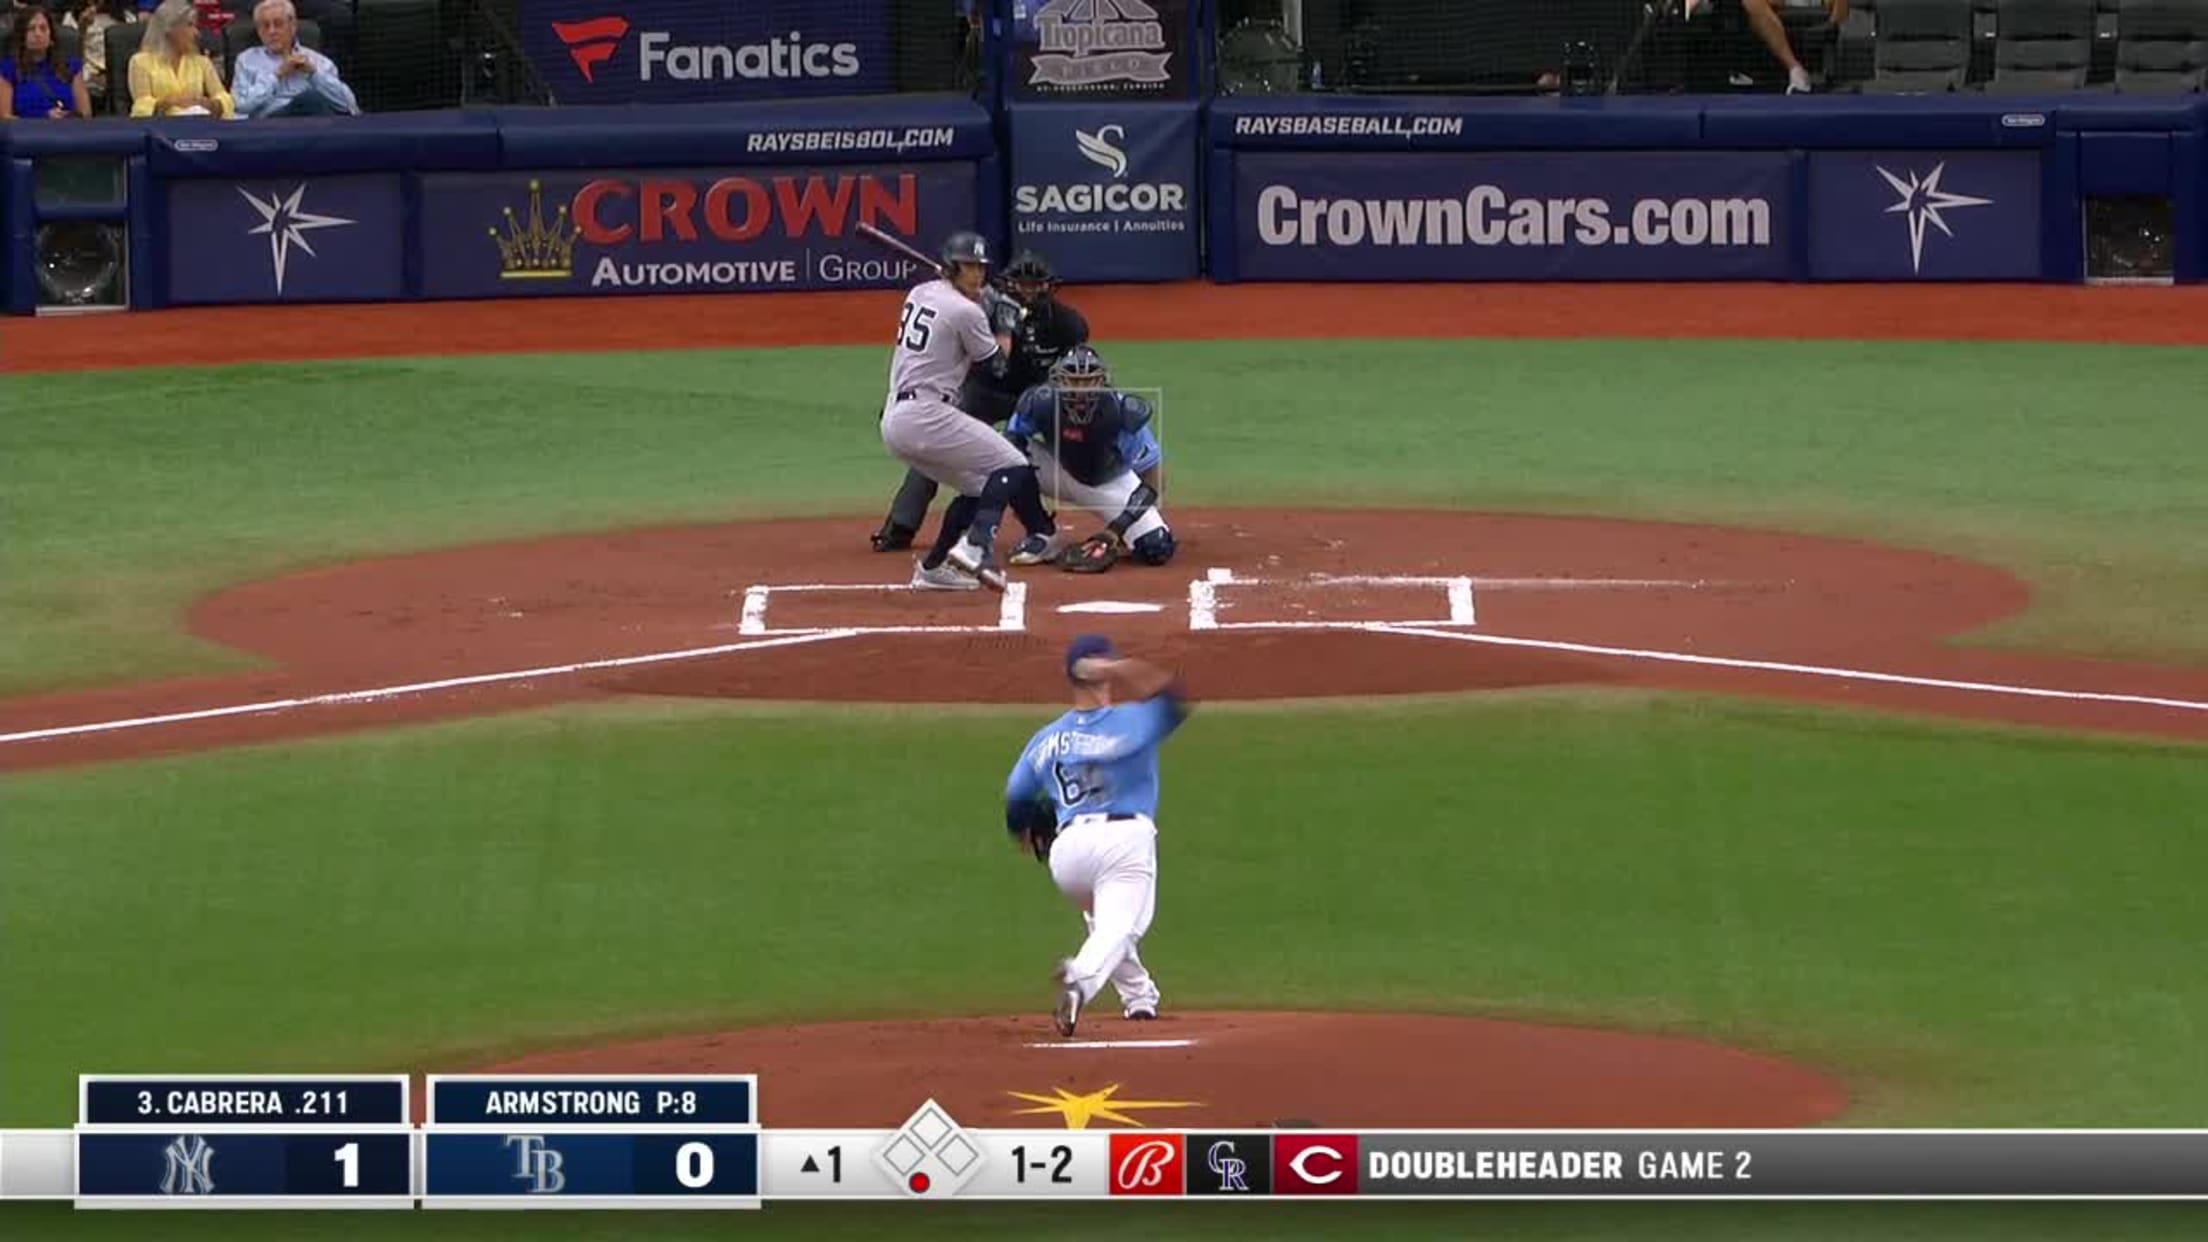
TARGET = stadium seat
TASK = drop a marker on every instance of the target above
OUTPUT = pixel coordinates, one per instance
(2045, 46)
(2162, 47)
(123, 39)
(400, 59)
(1923, 46)
(239, 36)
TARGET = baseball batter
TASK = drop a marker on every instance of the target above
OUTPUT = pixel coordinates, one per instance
(1084, 798)
(1093, 446)
(941, 335)
(1024, 304)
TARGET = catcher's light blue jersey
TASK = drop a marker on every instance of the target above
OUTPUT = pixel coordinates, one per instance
(1103, 761)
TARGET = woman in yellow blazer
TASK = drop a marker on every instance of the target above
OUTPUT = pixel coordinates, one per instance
(172, 75)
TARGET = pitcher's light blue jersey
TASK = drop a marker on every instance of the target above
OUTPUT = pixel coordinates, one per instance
(1103, 761)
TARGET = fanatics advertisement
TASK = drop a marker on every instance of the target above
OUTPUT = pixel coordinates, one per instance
(519, 234)
(1511, 216)
(1109, 192)
(1924, 215)
(303, 239)
(1101, 49)
(599, 52)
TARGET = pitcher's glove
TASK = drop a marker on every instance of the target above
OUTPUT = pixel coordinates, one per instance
(1094, 554)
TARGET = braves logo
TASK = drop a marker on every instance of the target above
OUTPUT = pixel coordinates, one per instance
(591, 42)
(1146, 1166)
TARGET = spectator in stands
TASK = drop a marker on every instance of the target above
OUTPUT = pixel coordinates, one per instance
(1763, 18)
(39, 83)
(284, 77)
(91, 20)
(172, 77)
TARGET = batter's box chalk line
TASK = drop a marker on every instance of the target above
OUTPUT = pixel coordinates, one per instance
(1011, 610)
(1204, 602)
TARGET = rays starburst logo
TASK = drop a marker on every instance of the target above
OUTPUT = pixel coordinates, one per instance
(1079, 1110)
(1921, 199)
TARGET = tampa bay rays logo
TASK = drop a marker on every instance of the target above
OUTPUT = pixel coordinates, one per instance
(189, 1173)
(1920, 198)
(1087, 42)
(538, 1164)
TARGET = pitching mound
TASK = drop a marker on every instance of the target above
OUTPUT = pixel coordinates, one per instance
(1234, 1070)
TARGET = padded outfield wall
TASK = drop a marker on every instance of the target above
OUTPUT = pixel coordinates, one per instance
(759, 197)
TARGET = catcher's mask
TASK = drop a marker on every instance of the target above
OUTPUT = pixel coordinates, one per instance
(1080, 377)
(1028, 279)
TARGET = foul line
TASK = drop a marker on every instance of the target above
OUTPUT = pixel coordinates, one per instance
(1805, 670)
(1118, 1043)
(419, 687)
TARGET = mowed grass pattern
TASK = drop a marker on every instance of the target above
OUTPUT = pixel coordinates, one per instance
(1974, 927)
(128, 493)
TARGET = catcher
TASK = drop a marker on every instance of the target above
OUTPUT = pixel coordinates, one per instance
(1093, 448)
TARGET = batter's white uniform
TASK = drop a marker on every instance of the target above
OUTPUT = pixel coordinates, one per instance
(941, 335)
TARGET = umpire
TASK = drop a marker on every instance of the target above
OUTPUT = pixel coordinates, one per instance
(1044, 333)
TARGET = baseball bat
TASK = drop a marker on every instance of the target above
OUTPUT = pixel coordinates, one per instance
(897, 244)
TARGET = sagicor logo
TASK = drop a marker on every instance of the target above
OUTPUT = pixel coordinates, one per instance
(1146, 1165)
(591, 42)
(1100, 148)
(1316, 1179)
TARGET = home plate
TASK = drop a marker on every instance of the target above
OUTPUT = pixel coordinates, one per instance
(1111, 605)
(1118, 1043)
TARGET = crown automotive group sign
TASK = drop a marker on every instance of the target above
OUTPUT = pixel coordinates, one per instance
(1101, 49)
(508, 234)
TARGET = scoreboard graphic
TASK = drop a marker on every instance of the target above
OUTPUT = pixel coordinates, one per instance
(695, 1141)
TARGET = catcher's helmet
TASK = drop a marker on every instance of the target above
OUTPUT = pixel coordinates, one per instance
(1028, 277)
(963, 248)
(1082, 367)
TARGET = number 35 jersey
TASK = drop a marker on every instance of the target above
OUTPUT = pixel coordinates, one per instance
(941, 334)
(1103, 761)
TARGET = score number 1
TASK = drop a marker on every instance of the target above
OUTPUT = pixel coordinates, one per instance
(1061, 1153)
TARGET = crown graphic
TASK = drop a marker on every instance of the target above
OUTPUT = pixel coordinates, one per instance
(536, 250)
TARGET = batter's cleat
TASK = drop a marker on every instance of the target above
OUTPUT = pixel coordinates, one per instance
(1040, 549)
(891, 537)
(941, 578)
(1068, 1012)
(1141, 1015)
(975, 559)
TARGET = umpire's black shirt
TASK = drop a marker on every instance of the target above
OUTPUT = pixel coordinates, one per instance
(1045, 335)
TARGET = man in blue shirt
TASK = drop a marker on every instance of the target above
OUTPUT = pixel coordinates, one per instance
(284, 77)
(1084, 798)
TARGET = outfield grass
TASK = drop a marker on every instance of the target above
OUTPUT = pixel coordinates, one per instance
(1972, 927)
(128, 493)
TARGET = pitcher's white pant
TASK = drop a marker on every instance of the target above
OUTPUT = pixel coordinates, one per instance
(1106, 500)
(1109, 868)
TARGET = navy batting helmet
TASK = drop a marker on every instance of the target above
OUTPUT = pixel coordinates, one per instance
(964, 248)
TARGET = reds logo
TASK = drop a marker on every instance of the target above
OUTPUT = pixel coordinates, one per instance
(1315, 1164)
(1147, 1164)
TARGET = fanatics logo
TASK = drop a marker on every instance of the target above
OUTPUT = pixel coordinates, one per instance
(1147, 1164)
(1314, 1164)
(591, 42)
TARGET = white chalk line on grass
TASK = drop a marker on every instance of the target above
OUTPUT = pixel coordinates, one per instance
(1803, 670)
(418, 687)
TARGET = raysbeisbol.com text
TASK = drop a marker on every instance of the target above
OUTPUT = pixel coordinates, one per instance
(1488, 215)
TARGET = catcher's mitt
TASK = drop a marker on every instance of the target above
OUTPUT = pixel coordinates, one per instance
(1093, 555)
